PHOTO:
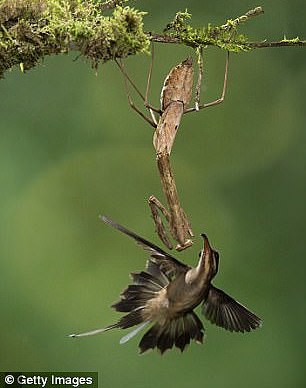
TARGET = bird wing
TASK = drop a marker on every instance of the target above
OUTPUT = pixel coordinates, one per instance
(226, 312)
(168, 264)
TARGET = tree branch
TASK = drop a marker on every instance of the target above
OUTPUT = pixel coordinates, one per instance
(225, 36)
(282, 43)
(161, 38)
(33, 29)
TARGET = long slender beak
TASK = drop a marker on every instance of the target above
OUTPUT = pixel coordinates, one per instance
(207, 248)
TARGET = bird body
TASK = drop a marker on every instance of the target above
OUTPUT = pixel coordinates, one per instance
(165, 295)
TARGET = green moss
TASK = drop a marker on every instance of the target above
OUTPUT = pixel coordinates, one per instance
(293, 40)
(32, 29)
(225, 36)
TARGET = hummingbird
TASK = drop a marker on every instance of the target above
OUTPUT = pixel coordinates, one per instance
(166, 294)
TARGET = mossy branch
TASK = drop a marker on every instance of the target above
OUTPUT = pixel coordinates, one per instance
(225, 36)
(244, 46)
(33, 29)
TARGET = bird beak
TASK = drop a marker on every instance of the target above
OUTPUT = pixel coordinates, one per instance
(207, 248)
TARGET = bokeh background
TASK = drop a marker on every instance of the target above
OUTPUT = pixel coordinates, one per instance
(72, 149)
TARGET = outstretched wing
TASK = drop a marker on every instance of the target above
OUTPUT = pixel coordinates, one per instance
(168, 264)
(224, 311)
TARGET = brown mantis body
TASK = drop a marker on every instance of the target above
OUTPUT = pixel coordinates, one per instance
(175, 96)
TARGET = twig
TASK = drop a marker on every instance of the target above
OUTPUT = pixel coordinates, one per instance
(159, 38)
(242, 19)
(281, 43)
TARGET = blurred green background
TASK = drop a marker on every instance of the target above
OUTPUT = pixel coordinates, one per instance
(72, 149)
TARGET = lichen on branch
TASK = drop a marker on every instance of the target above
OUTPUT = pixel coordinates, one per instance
(225, 36)
(33, 29)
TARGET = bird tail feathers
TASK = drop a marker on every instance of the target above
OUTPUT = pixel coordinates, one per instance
(176, 332)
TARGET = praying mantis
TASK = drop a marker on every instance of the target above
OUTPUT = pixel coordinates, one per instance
(176, 95)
